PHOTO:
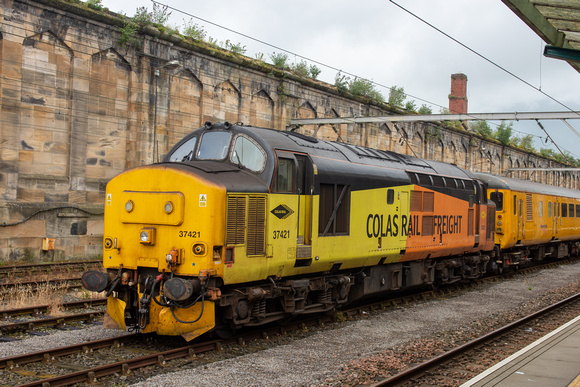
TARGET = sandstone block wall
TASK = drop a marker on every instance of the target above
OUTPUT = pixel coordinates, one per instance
(77, 108)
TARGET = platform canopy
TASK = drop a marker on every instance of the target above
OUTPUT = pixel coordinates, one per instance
(557, 22)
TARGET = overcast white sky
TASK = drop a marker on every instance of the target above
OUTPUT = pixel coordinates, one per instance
(376, 40)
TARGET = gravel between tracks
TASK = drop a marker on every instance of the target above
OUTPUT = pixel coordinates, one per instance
(336, 356)
(321, 358)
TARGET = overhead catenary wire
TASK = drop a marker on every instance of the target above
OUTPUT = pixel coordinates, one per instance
(296, 55)
(487, 59)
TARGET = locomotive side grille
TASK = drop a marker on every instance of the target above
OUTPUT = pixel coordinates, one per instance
(416, 199)
(236, 214)
(428, 201)
(256, 227)
(529, 211)
(427, 225)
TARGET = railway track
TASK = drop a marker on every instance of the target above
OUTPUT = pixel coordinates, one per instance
(37, 316)
(43, 268)
(462, 363)
(52, 361)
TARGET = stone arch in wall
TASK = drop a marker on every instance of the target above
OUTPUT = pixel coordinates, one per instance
(329, 132)
(226, 102)
(401, 142)
(47, 65)
(185, 102)
(262, 110)
(439, 150)
(306, 111)
(497, 167)
(462, 159)
(385, 137)
(450, 156)
(488, 162)
(417, 145)
(107, 124)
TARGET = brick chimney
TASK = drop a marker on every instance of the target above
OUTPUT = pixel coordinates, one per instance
(458, 96)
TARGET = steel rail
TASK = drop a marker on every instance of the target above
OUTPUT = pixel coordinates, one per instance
(46, 355)
(45, 266)
(125, 366)
(35, 284)
(50, 322)
(421, 368)
(39, 309)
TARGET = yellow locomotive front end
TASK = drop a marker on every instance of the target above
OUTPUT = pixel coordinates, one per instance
(163, 235)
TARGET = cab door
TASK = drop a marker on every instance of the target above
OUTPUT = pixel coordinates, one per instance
(294, 176)
(520, 216)
(555, 219)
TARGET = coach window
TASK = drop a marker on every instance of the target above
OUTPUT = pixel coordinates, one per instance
(497, 198)
(541, 209)
(214, 146)
(549, 209)
(578, 210)
(515, 205)
(564, 210)
(571, 210)
(247, 154)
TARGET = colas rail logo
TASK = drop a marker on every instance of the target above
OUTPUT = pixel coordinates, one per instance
(282, 211)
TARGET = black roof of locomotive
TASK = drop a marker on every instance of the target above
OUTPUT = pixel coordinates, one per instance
(363, 168)
(354, 154)
(502, 182)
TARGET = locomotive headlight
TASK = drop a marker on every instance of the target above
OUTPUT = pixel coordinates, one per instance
(147, 236)
(499, 223)
(168, 208)
(108, 243)
(199, 249)
(129, 206)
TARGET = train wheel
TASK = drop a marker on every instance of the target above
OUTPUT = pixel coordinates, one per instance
(224, 332)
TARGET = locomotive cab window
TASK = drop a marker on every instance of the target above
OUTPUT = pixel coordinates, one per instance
(214, 146)
(497, 198)
(247, 154)
(184, 152)
(284, 178)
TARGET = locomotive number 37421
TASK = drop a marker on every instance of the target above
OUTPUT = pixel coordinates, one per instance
(281, 234)
(190, 234)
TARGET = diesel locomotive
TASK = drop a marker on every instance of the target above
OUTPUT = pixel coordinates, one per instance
(241, 226)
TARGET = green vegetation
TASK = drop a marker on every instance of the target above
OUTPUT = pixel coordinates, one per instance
(396, 96)
(424, 109)
(130, 35)
(279, 60)
(483, 128)
(193, 31)
(503, 133)
(358, 86)
(95, 4)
